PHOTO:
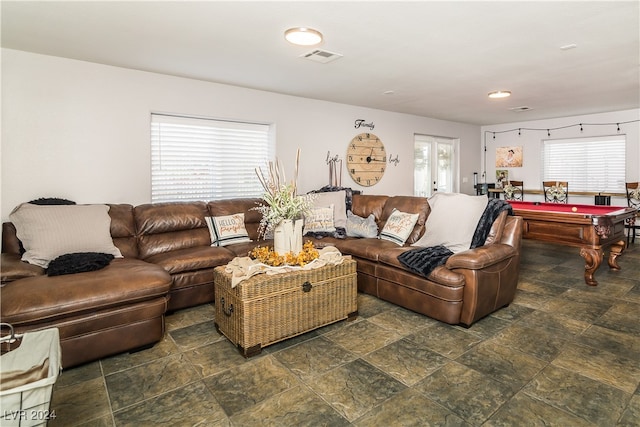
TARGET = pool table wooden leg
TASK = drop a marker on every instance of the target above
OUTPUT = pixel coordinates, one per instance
(615, 251)
(593, 258)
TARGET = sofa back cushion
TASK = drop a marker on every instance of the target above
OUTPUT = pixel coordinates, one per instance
(123, 229)
(164, 227)
(411, 205)
(252, 217)
(10, 242)
(383, 206)
(365, 205)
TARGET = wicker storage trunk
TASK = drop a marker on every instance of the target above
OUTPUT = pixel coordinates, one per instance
(265, 309)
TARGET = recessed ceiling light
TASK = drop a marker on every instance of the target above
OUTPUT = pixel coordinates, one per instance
(303, 36)
(568, 46)
(499, 94)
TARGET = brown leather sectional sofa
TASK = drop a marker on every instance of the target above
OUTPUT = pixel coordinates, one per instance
(168, 265)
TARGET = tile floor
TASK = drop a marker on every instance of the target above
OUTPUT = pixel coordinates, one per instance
(563, 354)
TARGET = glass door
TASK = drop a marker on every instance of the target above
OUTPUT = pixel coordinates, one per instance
(435, 160)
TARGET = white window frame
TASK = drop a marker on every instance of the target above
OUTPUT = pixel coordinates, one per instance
(202, 159)
(590, 164)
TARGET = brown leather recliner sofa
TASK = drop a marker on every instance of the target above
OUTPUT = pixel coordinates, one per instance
(168, 265)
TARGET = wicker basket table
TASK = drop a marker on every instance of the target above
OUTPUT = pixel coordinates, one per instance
(265, 309)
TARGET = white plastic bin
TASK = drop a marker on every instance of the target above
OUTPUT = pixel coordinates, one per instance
(28, 404)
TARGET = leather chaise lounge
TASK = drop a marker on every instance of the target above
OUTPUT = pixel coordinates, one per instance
(168, 263)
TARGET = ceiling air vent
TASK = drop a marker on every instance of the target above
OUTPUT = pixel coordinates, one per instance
(321, 56)
(520, 109)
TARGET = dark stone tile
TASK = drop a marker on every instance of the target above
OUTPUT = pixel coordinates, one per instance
(631, 415)
(445, 339)
(540, 288)
(124, 361)
(214, 358)
(405, 361)
(601, 365)
(106, 421)
(78, 374)
(512, 312)
(525, 410)
(369, 306)
(241, 387)
(146, 381)
(590, 400)
(622, 317)
(295, 407)
(556, 322)
(401, 321)
(314, 357)
(530, 300)
(469, 394)
(196, 335)
(409, 408)
(355, 388)
(633, 295)
(578, 306)
(544, 344)
(487, 327)
(189, 316)
(191, 405)
(293, 341)
(362, 337)
(502, 363)
(620, 343)
(84, 402)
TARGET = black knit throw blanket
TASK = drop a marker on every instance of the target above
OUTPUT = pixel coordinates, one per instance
(424, 260)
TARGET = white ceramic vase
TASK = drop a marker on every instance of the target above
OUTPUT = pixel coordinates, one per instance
(287, 237)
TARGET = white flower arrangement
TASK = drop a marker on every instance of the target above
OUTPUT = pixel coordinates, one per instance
(280, 198)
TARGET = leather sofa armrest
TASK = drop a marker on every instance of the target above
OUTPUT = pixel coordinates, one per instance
(482, 257)
(12, 268)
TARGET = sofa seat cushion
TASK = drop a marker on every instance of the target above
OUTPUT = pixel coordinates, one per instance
(13, 268)
(365, 248)
(41, 299)
(440, 274)
(449, 287)
(190, 259)
(243, 249)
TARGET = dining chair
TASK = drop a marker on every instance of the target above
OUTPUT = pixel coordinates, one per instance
(556, 191)
(633, 200)
(514, 190)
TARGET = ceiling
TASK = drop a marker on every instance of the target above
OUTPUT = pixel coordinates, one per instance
(438, 59)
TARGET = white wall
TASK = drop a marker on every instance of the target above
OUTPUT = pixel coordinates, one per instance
(80, 130)
(531, 143)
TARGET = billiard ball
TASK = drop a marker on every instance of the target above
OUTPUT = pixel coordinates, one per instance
(574, 209)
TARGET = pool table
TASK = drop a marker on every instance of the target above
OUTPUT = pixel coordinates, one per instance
(588, 227)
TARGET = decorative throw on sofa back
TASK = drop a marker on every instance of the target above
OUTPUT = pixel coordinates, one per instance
(424, 260)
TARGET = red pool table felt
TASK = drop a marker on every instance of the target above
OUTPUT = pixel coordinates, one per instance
(597, 210)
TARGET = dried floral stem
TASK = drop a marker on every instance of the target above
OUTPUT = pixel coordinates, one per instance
(280, 197)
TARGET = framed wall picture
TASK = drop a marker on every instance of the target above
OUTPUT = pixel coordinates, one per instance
(502, 178)
(509, 157)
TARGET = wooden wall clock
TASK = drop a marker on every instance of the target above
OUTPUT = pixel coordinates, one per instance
(366, 159)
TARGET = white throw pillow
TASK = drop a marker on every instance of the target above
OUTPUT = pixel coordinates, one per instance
(452, 221)
(335, 198)
(319, 220)
(399, 226)
(227, 229)
(49, 231)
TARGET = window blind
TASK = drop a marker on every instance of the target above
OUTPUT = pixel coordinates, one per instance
(588, 164)
(203, 159)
